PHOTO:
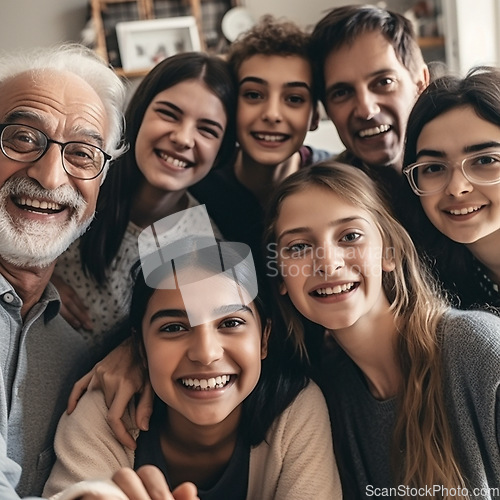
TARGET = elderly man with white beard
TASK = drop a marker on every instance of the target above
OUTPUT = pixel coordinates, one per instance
(60, 126)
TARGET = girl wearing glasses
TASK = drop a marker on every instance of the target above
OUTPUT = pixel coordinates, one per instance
(452, 162)
(411, 384)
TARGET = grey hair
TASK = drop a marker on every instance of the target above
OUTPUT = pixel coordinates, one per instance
(86, 64)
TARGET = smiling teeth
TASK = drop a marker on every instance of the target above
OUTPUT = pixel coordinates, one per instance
(464, 211)
(174, 161)
(270, 138)
(204, 384)
(335, 290)
(50, 205)
(374, 131)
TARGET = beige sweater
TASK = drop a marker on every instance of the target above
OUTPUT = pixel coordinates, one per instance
(295, 463)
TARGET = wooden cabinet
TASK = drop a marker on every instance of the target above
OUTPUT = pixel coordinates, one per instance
(106, 13)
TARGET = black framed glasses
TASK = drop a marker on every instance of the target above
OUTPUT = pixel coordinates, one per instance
(27, 144)
(431, 177)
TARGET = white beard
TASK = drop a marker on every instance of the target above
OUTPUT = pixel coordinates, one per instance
(28, 243)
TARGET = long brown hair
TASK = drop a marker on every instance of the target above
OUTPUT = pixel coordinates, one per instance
(421, 431)
(101, 243)
(480, 91)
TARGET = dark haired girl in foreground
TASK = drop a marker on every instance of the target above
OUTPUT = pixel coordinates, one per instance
(233, 413)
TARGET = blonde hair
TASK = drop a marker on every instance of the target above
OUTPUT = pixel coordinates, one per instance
(421, 431)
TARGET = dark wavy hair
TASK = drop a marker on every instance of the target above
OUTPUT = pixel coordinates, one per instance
(282, 374)
(342, 25)
(271, 37)
(100, 244)
(452, 261)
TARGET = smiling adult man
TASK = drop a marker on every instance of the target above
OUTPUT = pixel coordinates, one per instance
(60, 124)
(371, 71)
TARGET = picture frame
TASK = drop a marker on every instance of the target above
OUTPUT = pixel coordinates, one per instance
(143, 44)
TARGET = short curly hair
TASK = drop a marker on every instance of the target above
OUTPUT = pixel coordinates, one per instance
(269, 37)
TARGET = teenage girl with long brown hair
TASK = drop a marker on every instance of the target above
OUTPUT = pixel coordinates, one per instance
(411, 383)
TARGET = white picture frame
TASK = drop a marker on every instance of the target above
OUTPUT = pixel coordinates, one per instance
(143, 44)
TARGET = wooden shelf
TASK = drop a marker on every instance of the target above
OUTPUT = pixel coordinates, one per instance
(140, 73)
(145, 10)
(430, 42)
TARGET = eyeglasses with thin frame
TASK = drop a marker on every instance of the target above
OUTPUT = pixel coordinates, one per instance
(431, 177)
(27, 144)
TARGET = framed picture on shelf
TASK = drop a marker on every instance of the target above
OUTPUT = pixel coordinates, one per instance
(143, 44)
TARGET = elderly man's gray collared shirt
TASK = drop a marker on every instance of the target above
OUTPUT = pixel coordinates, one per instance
(40, 359)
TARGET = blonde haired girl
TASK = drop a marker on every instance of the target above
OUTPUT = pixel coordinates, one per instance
(411, 383)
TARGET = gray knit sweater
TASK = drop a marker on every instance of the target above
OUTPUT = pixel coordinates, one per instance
(363, 426)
